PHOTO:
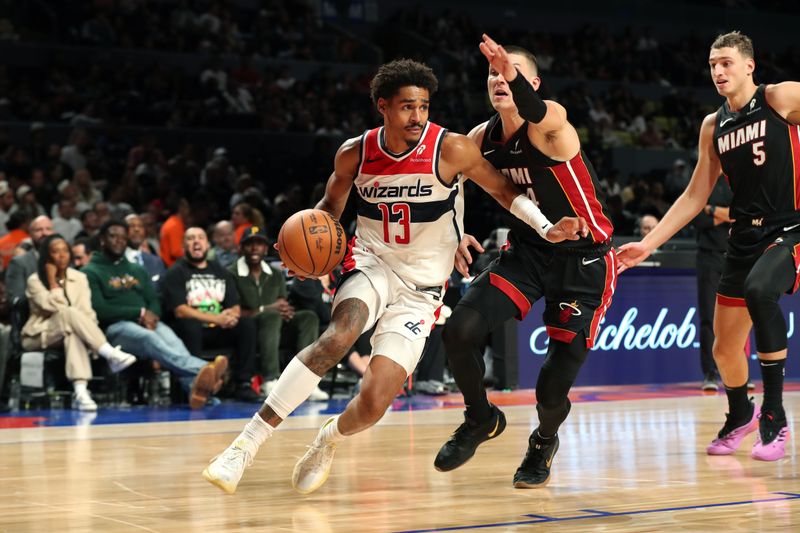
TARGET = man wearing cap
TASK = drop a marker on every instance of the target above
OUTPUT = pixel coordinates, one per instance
(263, 295)
(202, 297)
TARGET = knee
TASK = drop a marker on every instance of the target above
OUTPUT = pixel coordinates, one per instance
(757, 290)
(459, 331)
(67, 313)
(723, 350)
(373, 404)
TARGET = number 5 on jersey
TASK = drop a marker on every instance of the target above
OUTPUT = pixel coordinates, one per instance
(759, 156)
(403, 235)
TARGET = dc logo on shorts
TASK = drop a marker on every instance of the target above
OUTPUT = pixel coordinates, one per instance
(414, 326)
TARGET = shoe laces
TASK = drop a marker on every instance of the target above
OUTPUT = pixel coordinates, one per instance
(770, 426)
(536, 456)
(235, 458)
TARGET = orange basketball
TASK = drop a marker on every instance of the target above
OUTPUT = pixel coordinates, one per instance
(311, 243)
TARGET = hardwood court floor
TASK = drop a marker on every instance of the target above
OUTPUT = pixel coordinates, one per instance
(623, 466)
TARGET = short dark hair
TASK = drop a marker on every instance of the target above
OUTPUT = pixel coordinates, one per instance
(17, 219)
(85, 241)
(392, 76)
(735, 39)
(108, 224)
(527, 54)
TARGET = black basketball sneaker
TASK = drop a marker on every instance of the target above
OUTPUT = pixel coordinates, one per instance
(534, 472)
(461, 445)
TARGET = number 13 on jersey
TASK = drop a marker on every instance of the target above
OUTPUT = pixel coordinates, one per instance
(401, 228)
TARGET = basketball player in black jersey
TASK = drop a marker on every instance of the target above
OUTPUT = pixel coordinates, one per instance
(531, 142)
(754, 140)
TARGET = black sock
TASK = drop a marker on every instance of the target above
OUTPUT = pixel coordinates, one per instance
(480, 412)
(738, 403)
(772, 373)
(538, 435)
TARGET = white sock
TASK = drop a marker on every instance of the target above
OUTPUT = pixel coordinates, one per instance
(253, 435)
(79, 386)
(329, 434)
(295, 385)
(106, 350)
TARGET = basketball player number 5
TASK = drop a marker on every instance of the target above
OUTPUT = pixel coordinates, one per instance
(404, 237)
(758, 153)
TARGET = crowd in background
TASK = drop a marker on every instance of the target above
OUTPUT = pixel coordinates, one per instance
(97, 172)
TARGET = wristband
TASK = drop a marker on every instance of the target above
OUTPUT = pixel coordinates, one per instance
(524, 209)
(530, 106)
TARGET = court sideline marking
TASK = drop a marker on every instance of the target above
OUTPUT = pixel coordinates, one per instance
(539, 519)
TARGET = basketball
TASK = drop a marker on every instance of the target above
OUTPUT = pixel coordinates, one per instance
(311, 243)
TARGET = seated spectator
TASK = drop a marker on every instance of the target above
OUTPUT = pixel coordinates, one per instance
(171, 235)
(61, 314)
(81, 253)
(646, 224)
(17, 225)
(225, 249)
(87, 193)
(127, 307)
(243, 216)
(138, 251)
(21, 267)
(6, 204)
(202, 297)
(27, 202)
(262, 293)
(151, 233)
(65, 223)
(89, 225)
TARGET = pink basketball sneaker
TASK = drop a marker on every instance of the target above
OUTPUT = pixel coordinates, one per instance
(773, 432)
(730, 437)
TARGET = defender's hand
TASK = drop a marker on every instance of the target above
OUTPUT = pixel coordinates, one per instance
(463, 257)
(631, 254)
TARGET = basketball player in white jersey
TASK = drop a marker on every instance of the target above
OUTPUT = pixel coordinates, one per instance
(406, 174)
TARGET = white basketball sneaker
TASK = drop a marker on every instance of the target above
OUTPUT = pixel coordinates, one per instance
(82, 401)
(226, 469)
(119, 360)
(312, 470)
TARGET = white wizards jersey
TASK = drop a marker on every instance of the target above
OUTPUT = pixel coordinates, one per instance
(407, 216)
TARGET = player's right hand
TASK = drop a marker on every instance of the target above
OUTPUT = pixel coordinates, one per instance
(568, 229)
(497, 57)
(631, 254)
(463, 257)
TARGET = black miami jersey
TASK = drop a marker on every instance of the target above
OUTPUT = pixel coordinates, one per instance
(760, 156)
(559, 188)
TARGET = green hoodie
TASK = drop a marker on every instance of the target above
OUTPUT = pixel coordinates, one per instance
(120, 289)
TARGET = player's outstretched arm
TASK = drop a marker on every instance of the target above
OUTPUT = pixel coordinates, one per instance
(548, 127)
(461, 155)
(345, 167)
(685, 208)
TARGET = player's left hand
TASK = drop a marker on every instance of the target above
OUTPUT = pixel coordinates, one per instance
(568, 229)
(497, 57)
(463, 257)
